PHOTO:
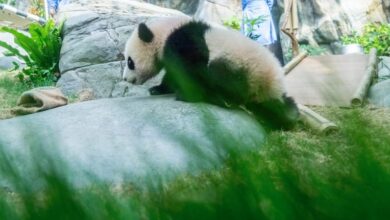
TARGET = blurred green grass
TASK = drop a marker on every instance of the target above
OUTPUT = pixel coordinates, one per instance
(296, 175)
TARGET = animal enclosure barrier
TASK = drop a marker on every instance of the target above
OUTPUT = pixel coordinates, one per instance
(329, 80)
(12, 17)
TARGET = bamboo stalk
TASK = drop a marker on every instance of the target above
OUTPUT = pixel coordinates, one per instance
(361, 92)
(316, 121)
(294, 62)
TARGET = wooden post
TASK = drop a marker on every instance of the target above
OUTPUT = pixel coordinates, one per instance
(308, 116)
(294, 62)
(290, 25)
(360, 94)
(316, 121)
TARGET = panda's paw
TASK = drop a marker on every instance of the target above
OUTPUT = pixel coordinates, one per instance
(158, 90)
(154, 91)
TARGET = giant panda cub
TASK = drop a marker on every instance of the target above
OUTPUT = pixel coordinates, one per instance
(207, 63)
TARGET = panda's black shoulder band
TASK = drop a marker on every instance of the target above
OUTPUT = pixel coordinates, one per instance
(144, 33)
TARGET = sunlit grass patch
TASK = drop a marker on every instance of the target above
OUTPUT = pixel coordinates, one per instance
(10, 90)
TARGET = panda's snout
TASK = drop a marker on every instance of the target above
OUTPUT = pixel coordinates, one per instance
(129, 78)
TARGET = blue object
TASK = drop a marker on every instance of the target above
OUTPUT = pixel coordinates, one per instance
(263, 32)
(53, 4)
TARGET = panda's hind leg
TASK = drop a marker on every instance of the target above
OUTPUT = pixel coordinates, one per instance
(276, 113)
(163, 88)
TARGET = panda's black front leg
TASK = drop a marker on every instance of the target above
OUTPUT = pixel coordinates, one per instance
(163, 88)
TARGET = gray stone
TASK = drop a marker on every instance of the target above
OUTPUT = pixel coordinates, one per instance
(101, 78)
(386, 9)
(123, 89)
(80, 55)
(323, 22)
(329, 22)
(188, 7)
(125, 140)
(95, 33)
(384, 68)
(379, 94)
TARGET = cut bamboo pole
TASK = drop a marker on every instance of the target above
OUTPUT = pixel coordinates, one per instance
(294, 62)
(308, 116)
(316, 121)
(361, 92)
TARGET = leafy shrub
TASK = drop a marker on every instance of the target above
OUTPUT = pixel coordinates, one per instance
(311, 51)
(37, 8)
(374, 35)
(251, 24)
(42, 52)
(235, 24)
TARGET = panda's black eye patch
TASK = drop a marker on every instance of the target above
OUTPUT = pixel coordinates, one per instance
(130, 63)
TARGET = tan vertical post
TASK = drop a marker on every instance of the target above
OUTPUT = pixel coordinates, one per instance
(290, 25)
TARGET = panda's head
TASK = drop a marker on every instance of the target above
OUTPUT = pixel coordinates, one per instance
(144, 48)
(141, 53)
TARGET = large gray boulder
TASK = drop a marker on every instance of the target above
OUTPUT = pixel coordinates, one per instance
(386, 8)
(186, 6)
(95, 33)
(384, 69)
(124, 140)
(379, 94)
(324, 22)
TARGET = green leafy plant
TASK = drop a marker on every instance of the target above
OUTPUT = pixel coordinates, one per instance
(41, 51)
(37, 8)
(311, 51)
(9, 2)
(233, 23)
(374, 35)
(250, 24)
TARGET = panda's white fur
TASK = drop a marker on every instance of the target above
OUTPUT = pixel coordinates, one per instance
(264, 75)
(144, 54)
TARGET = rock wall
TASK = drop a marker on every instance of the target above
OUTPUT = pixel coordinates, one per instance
(386, 8)
(325, 21)
(186, 6)
(95, 33)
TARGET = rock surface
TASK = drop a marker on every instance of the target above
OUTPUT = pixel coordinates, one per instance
(323, 22)
(95, 33)
(186, 6)
(379, 94)
(384, 69)
(126, 140)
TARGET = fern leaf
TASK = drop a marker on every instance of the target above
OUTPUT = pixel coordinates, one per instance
(12, 51)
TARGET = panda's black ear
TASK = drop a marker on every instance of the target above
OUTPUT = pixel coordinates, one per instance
(144, 33)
